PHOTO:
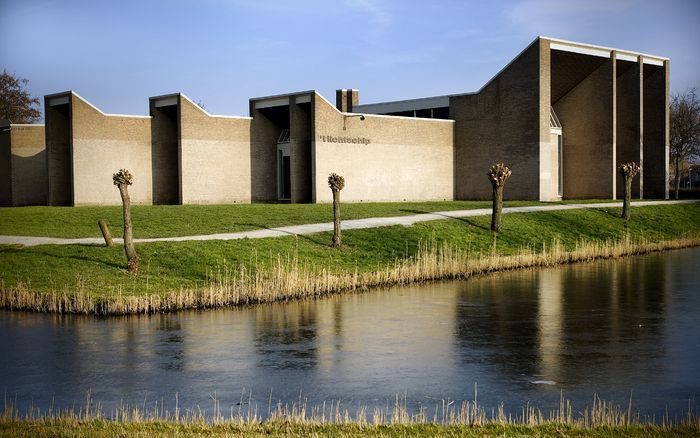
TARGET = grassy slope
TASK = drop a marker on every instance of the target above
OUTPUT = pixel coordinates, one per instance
(161, 429)
(184, 220)
(171, 265)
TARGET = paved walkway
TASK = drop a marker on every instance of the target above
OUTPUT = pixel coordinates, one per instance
(354, 224)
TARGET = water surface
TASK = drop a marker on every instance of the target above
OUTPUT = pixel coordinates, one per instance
(611, 328)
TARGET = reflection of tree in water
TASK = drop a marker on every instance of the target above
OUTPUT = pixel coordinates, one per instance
(169, 345)
(572, 325)
(285, 335)
(495, 323)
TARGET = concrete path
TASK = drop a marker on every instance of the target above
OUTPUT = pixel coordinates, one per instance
(354, 224)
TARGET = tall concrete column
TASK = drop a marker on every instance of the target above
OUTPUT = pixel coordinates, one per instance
(548, 150)
(59, 149)
(165, 151)
(613, 61)
(300, 143)
(629, 121)
(656, 130)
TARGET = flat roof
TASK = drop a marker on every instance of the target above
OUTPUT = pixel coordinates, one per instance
(404, 105)
(555, 44)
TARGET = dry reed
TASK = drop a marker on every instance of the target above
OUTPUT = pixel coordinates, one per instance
(601, 413)
(291, 278)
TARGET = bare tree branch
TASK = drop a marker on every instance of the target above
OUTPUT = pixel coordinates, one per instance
(684, 141)
(16, 104)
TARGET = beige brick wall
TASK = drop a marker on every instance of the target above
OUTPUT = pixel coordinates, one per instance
(588, 121)
(103, 144)
(215, 157)
(406, 159)
(27, 152)
(5, 166)
(505, 122)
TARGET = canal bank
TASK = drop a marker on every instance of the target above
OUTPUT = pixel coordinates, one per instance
(181, 275)
(617, 331)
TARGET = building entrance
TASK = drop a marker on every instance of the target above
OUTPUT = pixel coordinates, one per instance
(284, 168)
(557, 146)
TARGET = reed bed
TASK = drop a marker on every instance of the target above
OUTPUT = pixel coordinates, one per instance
(291, 278)
(600, 414)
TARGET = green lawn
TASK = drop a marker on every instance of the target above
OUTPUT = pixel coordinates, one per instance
(185, 220)
(170, 265)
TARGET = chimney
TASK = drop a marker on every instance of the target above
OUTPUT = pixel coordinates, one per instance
(346, 99)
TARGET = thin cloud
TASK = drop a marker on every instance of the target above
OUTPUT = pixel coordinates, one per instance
(561, 16)
(387, 60)
(379, 16)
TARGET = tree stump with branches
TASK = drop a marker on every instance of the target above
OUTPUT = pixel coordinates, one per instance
(123, 180)
(498, 175)
(336, 183)
(628, 171)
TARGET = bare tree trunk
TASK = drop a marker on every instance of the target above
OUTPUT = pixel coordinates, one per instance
(497, 208)
(336, 219)
(677, 176)
(132, 260)
(105, 232)
(628, 172)
(628, 198)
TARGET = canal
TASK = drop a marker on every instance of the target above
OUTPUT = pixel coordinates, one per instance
(628, 327)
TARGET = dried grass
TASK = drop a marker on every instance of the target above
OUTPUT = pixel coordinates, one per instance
(292, 279)
(447, 412)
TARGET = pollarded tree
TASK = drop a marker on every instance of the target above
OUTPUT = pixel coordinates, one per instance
(684, 140)
(16, 104)
(628, 171)
(498, 175)
(336, 183)
(123, 180)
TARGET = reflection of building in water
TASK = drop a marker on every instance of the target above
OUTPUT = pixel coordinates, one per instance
(497, 324)
(405, 329)
(550, 323)
(170, 343)
(564, 324)
(285, 336)
(610, 323)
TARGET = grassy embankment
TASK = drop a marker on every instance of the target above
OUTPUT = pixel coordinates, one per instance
(176, 275)
(61, 428)
(468, 419)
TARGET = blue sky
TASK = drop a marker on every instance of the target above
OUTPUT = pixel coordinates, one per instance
(222, 52)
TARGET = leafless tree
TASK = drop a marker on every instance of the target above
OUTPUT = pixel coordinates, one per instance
(123, 180)
(336, 183)
(16, 104)
(498, 175)
(685, 131)
(628, 171)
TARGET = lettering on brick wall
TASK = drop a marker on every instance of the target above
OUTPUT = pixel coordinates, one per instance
(341, 139)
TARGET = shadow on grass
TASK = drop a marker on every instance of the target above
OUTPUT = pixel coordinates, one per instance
(605, 211)
(307, 237)
(466, 220)
(83, 258)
